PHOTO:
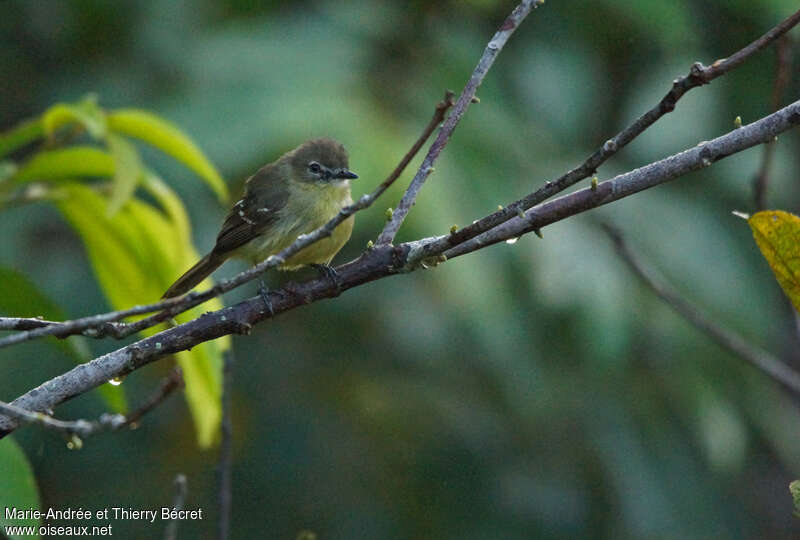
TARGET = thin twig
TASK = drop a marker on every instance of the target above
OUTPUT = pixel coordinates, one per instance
(170, 383)
(23, 323)
(225, 459)
(467, 96)
(171, 532)
(382, 261)
(96, 326)
(783, 51)
(80, 427)
(698, 76)
(729, 340)
(104, 325)
(85, 428)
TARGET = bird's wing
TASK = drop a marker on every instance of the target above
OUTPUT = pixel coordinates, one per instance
(252, 216)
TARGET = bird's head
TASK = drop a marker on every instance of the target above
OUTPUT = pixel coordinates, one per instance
(321, 161)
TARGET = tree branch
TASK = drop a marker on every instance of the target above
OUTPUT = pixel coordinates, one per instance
(698, 76)
(171, 532)
(783, 52)
(735, 344)
(695, 158)
(467, 96)
(104, 325)
(85, 428)
(386, 260)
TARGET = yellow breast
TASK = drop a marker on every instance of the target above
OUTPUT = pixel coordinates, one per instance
(308, 207)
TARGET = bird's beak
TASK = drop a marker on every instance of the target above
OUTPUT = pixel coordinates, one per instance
(345, 174)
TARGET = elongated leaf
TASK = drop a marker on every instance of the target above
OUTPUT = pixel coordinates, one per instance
(135, 258)
(18, 488)
(86, 113)
(172, 205)
(19, 297)
(171, 140)
(24, 133)
(202, 366)
(66, 163)
(127, 170)
(777, 234)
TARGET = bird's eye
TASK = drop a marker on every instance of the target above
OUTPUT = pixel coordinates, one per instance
(314, 167)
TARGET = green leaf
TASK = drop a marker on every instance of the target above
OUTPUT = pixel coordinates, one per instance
(66, 163)
(794, 489)
(18, 489)
(136, 256)
(20, 297)
(127, 170)
(86, 113)
(171, 140)
(777, 234)
(24, 133)
(172, 205)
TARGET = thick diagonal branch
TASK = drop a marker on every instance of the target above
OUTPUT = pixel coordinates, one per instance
(698, 76)
(105, 324)
(624, 185)
(386, 260)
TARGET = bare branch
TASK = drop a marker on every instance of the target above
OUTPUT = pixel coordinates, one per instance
(494, 47)
(96, 326)
(22, 323)
(386, 260)
(81, 428)
(85, 428)
(698, 157)
(698, 76)
(729, 340)
(171, 532)
(170, 383)
(783, 51)
(104, 325)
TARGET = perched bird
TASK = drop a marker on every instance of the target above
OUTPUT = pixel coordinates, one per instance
(300, 192)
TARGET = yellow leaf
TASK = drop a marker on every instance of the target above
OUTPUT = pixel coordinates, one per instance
(86, 113)
(66, 163)
(127, 169)
(777, 234)
(135, 256)
(171, 140)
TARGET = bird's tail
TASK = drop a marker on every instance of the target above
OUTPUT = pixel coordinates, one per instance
(194, 275)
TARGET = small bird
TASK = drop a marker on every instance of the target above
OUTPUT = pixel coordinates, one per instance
(300, 192)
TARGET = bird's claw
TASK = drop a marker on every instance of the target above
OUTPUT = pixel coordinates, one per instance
(330, 273)
(264, 293)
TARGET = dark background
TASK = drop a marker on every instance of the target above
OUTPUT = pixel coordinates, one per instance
(528, 391)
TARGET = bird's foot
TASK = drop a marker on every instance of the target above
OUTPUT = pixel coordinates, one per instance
(264, 293)
(330, 273)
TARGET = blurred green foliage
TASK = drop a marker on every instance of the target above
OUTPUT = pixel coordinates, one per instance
(18, 489)
(136, 248)
(533, 390)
